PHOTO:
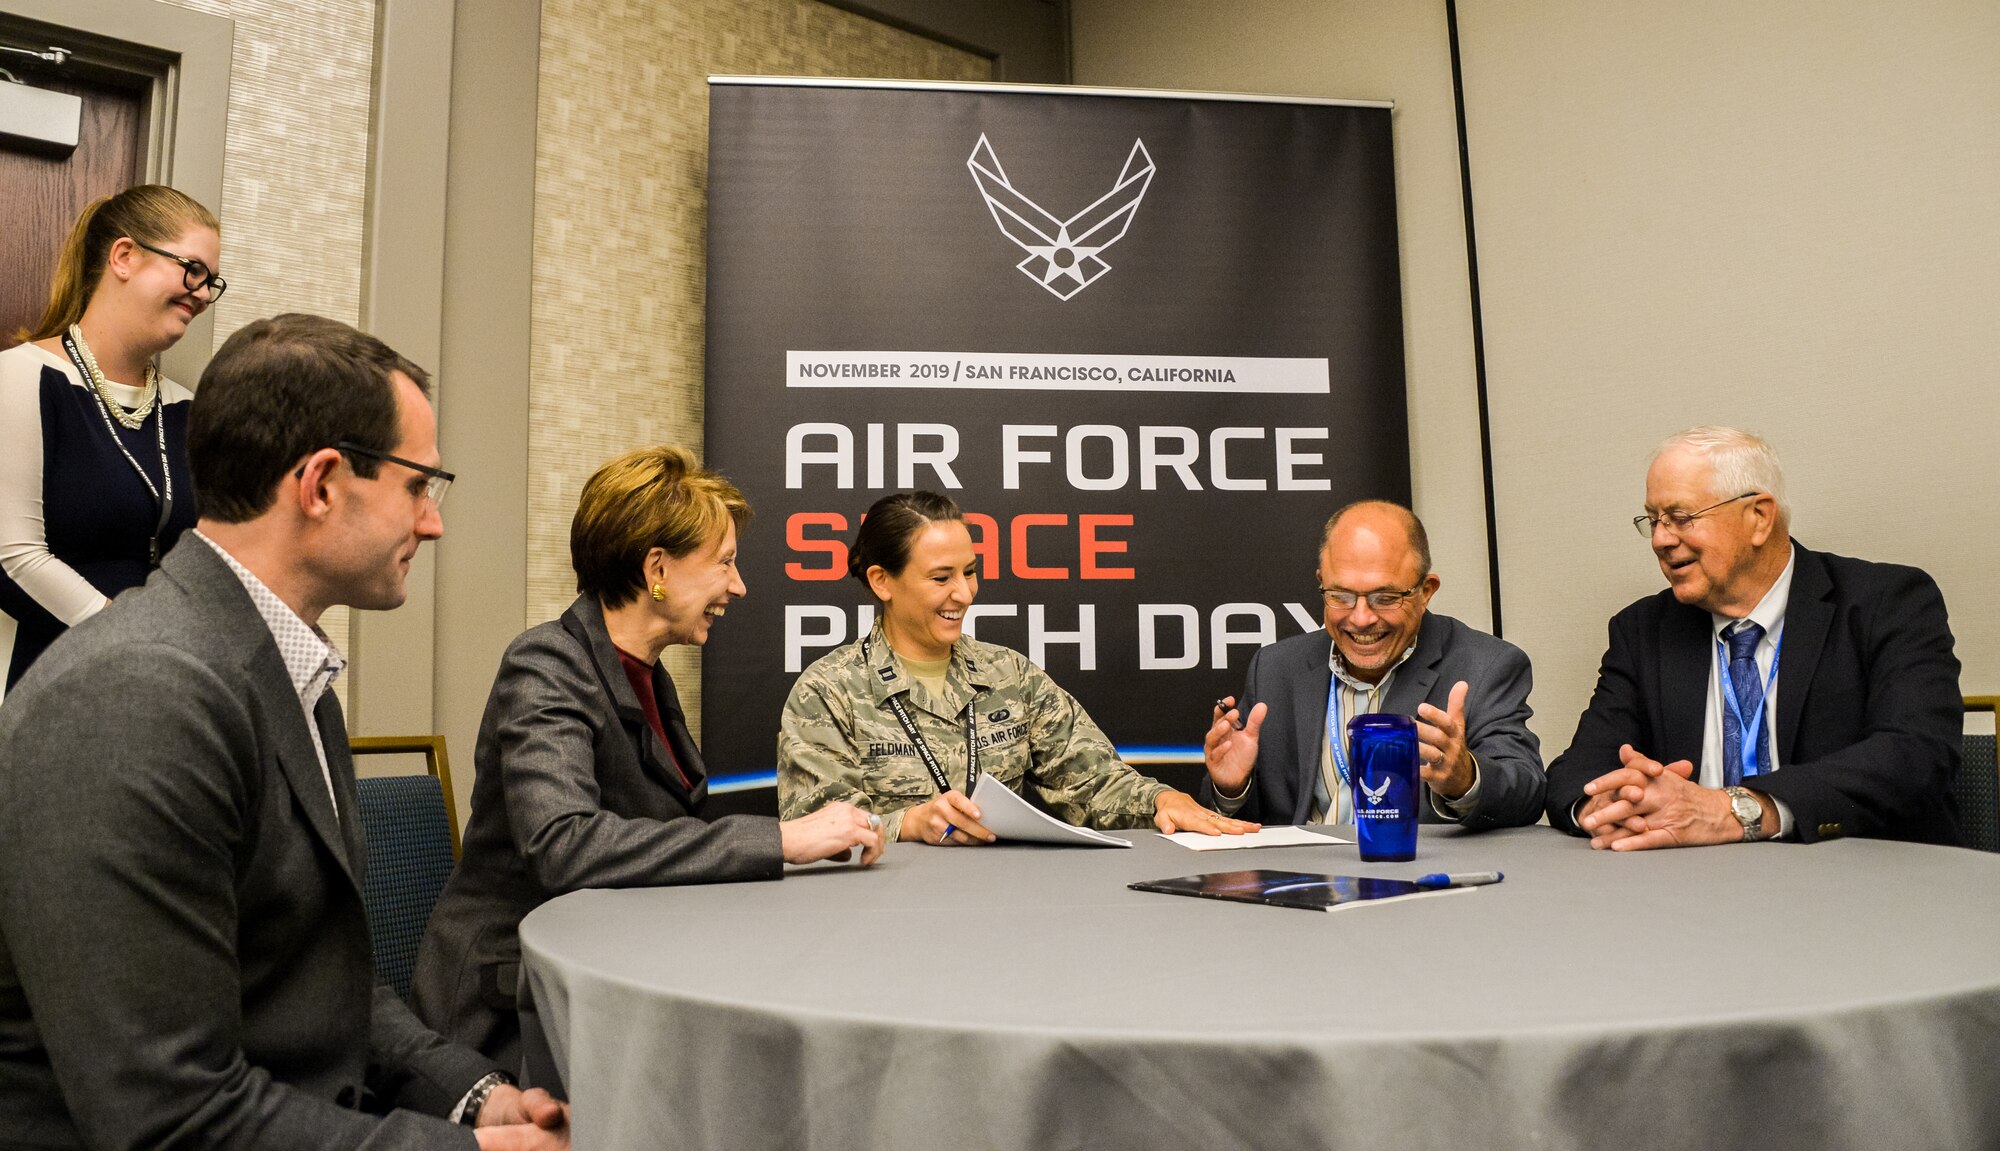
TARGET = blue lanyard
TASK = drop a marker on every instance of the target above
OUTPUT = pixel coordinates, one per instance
(1751, 729)
(1336, 737)
(1334, 733)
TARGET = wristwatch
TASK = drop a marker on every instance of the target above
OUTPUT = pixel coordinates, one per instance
(1748, 812)
(475, 1099)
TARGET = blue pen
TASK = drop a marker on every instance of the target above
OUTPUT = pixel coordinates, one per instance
(948, 829)
(1438, 880)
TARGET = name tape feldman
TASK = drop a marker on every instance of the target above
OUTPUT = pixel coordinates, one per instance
(1047, 372)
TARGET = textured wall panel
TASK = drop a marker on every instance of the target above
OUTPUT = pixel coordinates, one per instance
(294, 174)
(620, 173)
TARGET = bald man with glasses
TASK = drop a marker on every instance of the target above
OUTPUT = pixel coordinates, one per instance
(1772, 691)
(1280, 754)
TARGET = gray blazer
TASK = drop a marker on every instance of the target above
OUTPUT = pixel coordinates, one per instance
(184, 953)
(573, 790)
(1292, 677)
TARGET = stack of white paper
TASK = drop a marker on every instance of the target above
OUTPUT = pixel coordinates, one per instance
(1015, 820)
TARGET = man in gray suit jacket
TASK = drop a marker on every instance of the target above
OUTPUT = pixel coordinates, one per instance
(1380, 652)
(184, 951)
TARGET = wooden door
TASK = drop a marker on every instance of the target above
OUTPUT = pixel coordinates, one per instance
(42, 195)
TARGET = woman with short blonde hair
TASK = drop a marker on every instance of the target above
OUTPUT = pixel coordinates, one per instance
(587, 775)
(616, 525)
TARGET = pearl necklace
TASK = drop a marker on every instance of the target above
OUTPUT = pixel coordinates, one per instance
(136, 417)
(163, 492)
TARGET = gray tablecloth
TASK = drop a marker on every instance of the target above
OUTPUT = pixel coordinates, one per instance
(1843, 994)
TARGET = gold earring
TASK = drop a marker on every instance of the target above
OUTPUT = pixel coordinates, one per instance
(659, 593)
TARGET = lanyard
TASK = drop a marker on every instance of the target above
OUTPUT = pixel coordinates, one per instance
(163, 495)
(923, 746)
(1336, 736)
(1753, 728)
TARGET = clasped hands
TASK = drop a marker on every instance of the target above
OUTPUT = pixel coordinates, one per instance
(517, 1120)
(1645, 804)
(1445, 761)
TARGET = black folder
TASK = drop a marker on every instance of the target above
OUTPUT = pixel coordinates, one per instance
(1286, 888)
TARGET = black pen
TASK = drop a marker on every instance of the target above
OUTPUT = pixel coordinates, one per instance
(1224, 712)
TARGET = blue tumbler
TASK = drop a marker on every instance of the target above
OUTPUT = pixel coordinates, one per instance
(1382, 750)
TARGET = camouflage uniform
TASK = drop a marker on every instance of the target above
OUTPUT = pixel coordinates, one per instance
(839, 740)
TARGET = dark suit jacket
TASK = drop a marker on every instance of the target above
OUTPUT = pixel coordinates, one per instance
(573, 791)
(1292, 677)
(1869, 715)
(184, 952)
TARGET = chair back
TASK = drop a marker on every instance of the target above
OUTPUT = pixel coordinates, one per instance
(1977, 786)
(412, 845)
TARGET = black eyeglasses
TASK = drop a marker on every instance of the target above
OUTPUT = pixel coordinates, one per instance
(438, 483)
(194, 273)
(1678, 521)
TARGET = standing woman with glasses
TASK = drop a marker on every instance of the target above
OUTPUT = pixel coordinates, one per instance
(94, 484)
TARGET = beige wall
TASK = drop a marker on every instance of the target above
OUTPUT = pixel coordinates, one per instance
(620, 243)
(1353, 50)
(295, 167)
(1777, 214)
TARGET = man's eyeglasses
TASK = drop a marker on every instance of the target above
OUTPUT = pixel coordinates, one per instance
(194, 273)
(1381, 599)
(435, 486)
(1677, 521)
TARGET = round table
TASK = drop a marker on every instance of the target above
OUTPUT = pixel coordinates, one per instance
(1843, 994)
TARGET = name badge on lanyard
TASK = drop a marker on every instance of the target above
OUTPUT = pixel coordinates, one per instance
(1752, 729)
(938, 778)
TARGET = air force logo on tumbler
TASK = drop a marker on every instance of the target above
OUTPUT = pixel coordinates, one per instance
(1375, 794)
(1062, 254)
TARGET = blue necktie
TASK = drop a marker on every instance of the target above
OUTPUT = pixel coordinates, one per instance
(1749, 692)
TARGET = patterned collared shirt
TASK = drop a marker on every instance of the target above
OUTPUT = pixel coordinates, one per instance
(1332, 800)
(1351, 696)
(310, 658)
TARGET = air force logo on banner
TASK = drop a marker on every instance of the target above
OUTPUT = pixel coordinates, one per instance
(1375, 794)
(1062, 254)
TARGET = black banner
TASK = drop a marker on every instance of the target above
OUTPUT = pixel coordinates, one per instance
(1147, 342)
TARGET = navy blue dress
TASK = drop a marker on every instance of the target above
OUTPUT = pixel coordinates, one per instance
(97, 516)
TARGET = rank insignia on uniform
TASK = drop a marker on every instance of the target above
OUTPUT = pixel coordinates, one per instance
(888, 674)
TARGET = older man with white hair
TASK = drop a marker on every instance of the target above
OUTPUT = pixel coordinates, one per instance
(1772, 691)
